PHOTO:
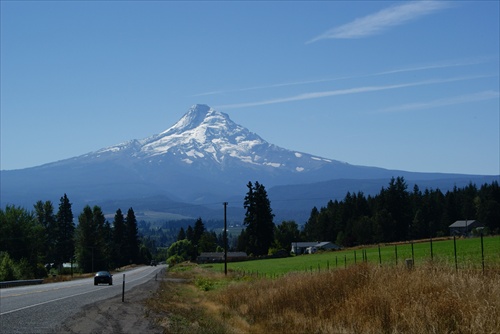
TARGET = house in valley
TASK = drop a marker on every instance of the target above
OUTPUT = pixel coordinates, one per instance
(312, 247)
(464, 227)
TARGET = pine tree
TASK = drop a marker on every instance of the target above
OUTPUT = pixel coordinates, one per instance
(119, 238)
(65, 230)
(181, 235)
(189, 233)
(84, 240)
(311, 229)
(198, 230)
(258, 219)
(44, 213)
(286, 233)
(93, 236)
(132, 239)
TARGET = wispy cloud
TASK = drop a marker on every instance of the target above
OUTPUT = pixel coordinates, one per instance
(383, 20)
(356, 90)
(481, 96)
(422, 67)
(283, 84)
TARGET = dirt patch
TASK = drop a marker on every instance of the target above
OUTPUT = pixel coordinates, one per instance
(115, 316)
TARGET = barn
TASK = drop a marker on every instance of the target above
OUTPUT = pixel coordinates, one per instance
(464, 227)
(311, 247)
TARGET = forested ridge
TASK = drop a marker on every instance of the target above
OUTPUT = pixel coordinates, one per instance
(397, 214)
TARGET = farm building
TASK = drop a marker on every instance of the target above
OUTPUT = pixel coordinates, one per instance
(464, 227)
(311, 247)
(219, 257)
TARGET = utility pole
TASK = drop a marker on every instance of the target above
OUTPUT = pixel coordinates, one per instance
(225, 238)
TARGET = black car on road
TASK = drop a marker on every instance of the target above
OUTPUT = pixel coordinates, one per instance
(103, 277)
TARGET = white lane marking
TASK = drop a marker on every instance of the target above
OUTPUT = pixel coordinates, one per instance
(46, 302)
(54, 300)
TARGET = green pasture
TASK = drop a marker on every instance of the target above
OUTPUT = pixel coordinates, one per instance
(468, 255)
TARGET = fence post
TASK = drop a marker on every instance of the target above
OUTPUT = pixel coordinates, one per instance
(455, 251)
(354, 257)
(412, 254)
(396, 253)
(432, 254)
(482, 251)
(345, 261)
(379, 256)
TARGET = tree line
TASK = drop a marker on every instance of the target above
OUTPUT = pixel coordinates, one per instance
(394, 214)
(397, 214)
(33, 243)
(192, 241)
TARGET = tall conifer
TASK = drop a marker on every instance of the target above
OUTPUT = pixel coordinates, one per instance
(65, 230)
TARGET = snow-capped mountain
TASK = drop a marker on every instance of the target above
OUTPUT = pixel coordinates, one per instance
(204, 158)
(206, 137)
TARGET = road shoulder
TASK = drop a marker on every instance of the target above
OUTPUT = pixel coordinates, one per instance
(115, 316)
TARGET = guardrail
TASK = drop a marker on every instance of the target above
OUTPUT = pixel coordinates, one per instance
(9, 284)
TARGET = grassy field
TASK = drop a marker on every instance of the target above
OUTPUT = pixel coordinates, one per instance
(363, 298)
(468, 255)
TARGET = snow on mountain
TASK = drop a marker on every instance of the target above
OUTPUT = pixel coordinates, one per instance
(204, 134)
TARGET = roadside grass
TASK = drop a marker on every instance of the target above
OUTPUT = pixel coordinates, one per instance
(182, 305)
(364, 298)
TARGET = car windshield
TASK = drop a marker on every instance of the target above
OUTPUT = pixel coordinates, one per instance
(102, 273)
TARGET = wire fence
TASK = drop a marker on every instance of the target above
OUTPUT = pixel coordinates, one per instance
(475, 253)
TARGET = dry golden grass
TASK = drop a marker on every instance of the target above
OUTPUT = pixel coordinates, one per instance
(360, 299)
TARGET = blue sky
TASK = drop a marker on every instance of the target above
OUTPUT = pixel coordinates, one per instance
(400, 85)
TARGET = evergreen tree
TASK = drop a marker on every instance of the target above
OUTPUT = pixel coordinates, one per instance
(207, 242)
(198, 230)
(396, 200)
(311, 229)
(189, 233)
(119, 239)
(108, 256)
(93, 236)
(181, 235)
(65, 231)
(132, 240)
(258, 219)
(44, 213)
(286, 233)
(243, 242)
(84, 240)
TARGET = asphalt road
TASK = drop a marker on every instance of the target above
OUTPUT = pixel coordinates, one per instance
(41, 308)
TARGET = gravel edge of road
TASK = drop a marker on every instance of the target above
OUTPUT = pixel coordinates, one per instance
(114, 316)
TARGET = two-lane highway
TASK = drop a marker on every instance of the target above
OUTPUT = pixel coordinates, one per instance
(40, 308)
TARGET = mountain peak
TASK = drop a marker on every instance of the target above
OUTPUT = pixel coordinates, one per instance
(193, 118)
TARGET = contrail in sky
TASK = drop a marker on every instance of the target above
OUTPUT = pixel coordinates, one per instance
(481, 96)
(356, 90)
(445, 64)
